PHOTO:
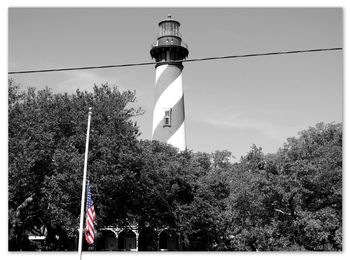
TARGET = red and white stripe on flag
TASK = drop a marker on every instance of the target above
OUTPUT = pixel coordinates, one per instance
(90, 218)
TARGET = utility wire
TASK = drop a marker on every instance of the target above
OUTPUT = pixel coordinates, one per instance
(175, 61)
(263, 54)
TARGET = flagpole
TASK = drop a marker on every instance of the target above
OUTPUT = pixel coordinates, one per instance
(83, 189)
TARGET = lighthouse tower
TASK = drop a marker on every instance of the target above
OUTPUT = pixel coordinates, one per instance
(169, 107)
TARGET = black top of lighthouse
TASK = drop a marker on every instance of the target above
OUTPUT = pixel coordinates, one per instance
(169, 46)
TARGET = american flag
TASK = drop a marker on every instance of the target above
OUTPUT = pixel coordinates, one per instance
(90, 218)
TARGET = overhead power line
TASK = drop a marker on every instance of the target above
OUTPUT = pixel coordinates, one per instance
(189, 60)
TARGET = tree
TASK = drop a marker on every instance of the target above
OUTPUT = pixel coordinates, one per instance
(312, 164)
(290, 200)
(46, 150)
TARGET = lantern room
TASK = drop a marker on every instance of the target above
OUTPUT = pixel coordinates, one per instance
(169, 45)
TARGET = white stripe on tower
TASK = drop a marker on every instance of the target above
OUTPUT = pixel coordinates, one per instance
(169, 95)
(159, 71)
(179, 138)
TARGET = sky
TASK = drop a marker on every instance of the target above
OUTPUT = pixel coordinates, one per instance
(230, 104)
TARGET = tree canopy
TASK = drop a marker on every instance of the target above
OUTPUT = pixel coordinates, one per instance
(289, 200)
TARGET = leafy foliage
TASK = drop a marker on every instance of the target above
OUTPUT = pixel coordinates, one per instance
(290, 200)
(46, 152)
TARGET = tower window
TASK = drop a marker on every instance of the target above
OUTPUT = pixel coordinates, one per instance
(167, 117)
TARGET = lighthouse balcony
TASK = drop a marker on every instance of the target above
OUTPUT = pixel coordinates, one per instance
(171, 43)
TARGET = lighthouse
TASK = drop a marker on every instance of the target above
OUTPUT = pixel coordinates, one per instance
(169, 106)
